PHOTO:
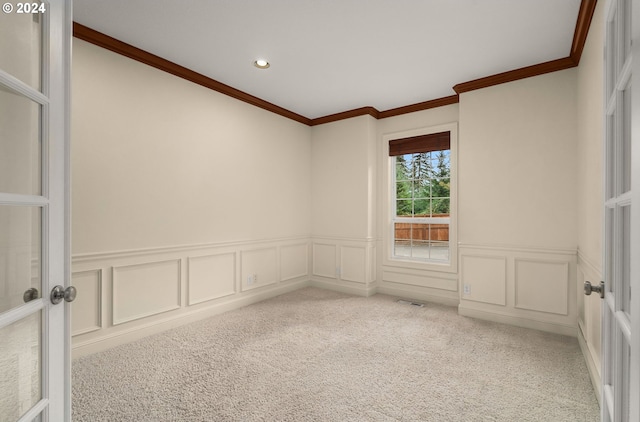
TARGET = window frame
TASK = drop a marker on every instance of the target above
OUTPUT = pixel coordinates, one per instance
(390, 203)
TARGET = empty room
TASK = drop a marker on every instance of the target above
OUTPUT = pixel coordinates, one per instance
(319, 211)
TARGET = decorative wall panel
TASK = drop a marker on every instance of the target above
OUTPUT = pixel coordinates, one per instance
(484, 279)
(147, 289)
(294, 261)
(141, 291)
(211, 277)
(87, 308)
(353, 264)
(324, 260)
(542, 286)
(259, 268)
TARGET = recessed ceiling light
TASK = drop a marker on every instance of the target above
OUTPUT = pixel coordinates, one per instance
(261, 64)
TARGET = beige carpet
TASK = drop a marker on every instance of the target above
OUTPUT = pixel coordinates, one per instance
(316, 355)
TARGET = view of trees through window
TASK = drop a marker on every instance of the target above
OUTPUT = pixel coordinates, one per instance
(422, 184)
(422, 196)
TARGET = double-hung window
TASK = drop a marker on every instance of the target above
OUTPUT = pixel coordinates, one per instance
(421, 197)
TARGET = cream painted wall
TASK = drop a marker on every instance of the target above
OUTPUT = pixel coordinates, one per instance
(344, 175)
(158, 161)
(186, 202)
(590, 146)
(343, 168)
(517, 178)
(517, 202)
(419, 119)
(590, 113)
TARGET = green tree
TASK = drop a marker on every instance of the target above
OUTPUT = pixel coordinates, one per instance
(421, 169)
(441, 184)
(404, 186)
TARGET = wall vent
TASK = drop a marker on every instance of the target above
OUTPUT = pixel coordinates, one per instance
(409, 302)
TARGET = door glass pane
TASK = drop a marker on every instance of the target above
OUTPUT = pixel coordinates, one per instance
(20, 257)
(21, 44)
(625, 360)
(625, 29)
(609, 243)
(610, 58)
(20, 381)
(626, 141)
(610, 153)
(609, 339)
(625, 279)
(20, 146)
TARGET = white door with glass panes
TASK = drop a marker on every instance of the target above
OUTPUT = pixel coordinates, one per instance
(35, 49)
(621, 289)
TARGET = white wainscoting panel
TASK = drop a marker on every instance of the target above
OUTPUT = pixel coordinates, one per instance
(324, 260)
(294, 261)
(589, 319)
(524, 286)
(87, 308)
(211, 277)
(125, 295)
(353, 264)
(581, 311)
(484, 278)
(147, 289)
(345, 264)
(261, 266)
(542, 285)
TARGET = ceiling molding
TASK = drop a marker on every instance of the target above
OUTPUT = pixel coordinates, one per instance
(515, 75)
(362, 111)
(585, 15)
(439, 102)
(371, 111)
(102, 40)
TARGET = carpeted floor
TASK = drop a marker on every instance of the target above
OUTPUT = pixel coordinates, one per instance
(316, 355)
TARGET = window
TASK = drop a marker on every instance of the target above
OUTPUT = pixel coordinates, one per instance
(421, 197)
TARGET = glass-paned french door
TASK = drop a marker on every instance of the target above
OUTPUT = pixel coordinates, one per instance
(619, 329)
(34, 69)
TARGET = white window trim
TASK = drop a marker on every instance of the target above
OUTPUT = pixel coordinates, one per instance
(388, 206)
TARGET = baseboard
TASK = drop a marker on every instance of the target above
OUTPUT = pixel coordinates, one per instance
(114, 339)
(594, 371)
(356, 289)
(567, 330)
(416, 294)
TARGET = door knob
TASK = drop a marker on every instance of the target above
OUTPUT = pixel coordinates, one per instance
(30, 294)
(589, 288)
(59, 293)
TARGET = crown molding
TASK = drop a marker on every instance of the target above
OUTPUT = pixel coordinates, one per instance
(585, 16)
(371, 111)
(102, 40)
(362, 111)
(425, 105)
(515, 75)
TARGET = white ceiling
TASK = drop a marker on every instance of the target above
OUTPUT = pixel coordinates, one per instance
(330, 56)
